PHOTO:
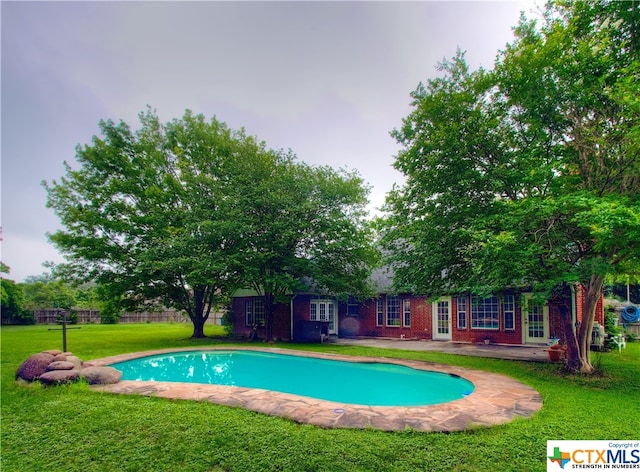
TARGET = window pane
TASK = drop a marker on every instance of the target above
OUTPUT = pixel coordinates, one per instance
(509, 309)
(248, 312)
(461, 303)
(393, 311)
(406, 309)
(258, 311)
(484, 313)
(380, 312)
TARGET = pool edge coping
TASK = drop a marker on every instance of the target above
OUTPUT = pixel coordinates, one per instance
(496, 399)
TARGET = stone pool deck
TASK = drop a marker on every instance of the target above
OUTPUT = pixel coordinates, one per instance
(497, 399)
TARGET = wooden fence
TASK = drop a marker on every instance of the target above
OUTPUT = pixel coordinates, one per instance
(52, 316)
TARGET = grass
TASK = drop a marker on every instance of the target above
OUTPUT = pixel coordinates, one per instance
(72, 428)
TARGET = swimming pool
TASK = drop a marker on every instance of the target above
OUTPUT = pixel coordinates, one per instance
(370, 383)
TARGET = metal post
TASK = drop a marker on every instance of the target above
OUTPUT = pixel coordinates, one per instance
(64, 331)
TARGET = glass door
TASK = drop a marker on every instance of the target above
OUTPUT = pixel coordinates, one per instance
(535, 322)
(441, 310)
(324, 310)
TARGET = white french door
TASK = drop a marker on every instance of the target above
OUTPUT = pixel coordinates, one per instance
(535, 322)
(324, 310)
(441, 310)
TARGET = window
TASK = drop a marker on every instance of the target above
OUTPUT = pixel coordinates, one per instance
(353, 307)
(254, 311)
(461, 303)
(248, 312)
(484, 313)
(406, 312)
(313, 314)
(380, 312)
(258, 311)
(509, 312)
(393, 311)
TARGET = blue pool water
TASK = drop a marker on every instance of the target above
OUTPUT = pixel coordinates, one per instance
(377, 384)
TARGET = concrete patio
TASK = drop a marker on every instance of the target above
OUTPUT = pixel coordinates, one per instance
(497, 351)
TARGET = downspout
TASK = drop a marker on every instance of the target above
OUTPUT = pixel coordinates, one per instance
(291, 305)
(574, 315)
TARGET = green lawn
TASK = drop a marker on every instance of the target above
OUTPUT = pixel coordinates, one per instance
(72, 428)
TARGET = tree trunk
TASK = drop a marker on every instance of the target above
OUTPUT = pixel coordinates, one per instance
(574, 361)
(593, 289)
(269, 308)
(198, 316)
(198, 326)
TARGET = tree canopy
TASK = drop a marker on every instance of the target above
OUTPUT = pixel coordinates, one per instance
(188, 211)
(527, 174)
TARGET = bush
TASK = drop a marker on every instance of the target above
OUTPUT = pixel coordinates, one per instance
(110, 313)
(611, 321)
(227, 321)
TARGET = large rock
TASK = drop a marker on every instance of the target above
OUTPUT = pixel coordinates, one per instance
(53, 352)
(34, 366)
(76, 361)
(54, 377)
(61, 365)
(101, 375)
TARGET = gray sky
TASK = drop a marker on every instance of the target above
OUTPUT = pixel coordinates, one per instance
(328, 80)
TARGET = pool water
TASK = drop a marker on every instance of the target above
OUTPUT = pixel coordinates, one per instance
(374, 384)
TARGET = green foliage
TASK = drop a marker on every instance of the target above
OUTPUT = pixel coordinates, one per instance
(96, 432)
(183, 213)
(227, 320)
(12, 304)
(525, 175)
(302, 225)
(40, 295)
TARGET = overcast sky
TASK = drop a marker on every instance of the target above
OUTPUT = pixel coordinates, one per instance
(328, 80)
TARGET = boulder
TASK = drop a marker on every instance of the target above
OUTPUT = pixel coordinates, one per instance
(34, 366)
(60, 357)
(54, 377)
(76, 361)
(53, 352)
(61, 365)
(101, 375)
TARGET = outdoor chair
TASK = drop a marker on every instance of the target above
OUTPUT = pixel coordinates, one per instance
(619, 341)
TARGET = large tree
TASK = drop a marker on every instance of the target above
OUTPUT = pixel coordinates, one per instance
(145, 214)
(302, 225)
(188, 211)
(527, 175)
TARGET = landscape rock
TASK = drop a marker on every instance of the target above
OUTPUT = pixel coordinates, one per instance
(76, 361)
(53, 352)
(55, 377)
(99, 375)
(34, 366)
(61, 365)
(56, 367)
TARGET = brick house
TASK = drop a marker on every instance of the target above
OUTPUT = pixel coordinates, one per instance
(506, 318)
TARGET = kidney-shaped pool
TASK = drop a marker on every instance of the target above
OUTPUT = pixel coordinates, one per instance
(370, 383)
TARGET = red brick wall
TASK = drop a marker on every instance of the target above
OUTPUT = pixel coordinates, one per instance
(365, 324)
(580, 298)
(281, 320)
(474, 335)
